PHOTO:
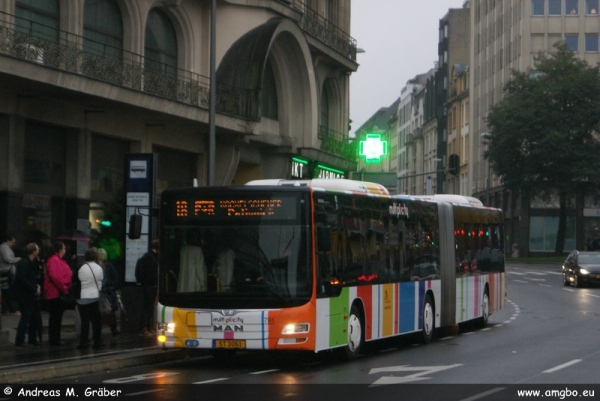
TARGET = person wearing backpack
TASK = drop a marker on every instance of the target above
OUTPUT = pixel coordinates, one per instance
(146, 273)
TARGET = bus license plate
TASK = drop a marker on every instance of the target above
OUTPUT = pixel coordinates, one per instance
(229, 344)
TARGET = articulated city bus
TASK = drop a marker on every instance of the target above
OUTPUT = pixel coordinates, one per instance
(322, 264)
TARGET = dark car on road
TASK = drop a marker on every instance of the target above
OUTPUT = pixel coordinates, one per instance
(581, 269)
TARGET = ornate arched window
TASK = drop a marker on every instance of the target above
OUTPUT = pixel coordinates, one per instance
(269, 94)
(39, 18)
(161, 44)
(103, 28)
(325, 108)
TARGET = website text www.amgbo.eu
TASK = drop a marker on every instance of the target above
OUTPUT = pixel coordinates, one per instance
(560, 394)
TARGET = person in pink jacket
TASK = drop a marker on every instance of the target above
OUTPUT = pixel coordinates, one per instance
(57, 281)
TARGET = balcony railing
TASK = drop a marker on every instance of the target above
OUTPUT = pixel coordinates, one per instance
(318, 26)
(119, 67)
(337, 143)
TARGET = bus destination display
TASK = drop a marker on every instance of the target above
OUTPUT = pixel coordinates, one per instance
(265, 208)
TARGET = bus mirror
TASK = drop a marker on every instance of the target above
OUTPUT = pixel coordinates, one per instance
(323, 239)
(135, 226)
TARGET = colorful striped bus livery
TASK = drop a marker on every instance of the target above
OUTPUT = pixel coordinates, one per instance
(320, 264)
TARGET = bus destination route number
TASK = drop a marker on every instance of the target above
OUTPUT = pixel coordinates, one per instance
(261, 208)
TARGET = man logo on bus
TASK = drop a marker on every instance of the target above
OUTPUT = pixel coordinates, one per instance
(235, 327)
(398, 209)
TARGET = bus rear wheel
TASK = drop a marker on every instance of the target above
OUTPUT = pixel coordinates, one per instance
(485, 309)
(428, 320)
(355, 334)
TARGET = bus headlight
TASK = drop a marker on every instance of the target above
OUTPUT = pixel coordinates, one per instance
(168, 327)
(294, 328)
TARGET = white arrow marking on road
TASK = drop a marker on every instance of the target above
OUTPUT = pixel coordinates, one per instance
(422, 371)
(146, 376)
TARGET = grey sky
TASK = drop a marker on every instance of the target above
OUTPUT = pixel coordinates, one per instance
(400, 39)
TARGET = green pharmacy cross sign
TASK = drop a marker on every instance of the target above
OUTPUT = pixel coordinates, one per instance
(373, 148)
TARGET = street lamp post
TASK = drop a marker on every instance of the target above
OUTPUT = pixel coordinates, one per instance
(486, 138)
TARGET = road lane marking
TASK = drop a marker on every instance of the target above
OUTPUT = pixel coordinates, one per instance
(136, 378)
(484, 394)
(212, 381)
(569, 289)
(521, 281)
(594, 295)
(264, 371)
(421, 371)
(564, 365)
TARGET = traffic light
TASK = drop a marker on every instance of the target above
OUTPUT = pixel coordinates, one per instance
(106, 223)
(454, 164)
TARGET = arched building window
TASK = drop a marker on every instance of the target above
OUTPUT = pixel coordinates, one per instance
(269, 94)
(161, 44)
(39, 18)
(103, 28)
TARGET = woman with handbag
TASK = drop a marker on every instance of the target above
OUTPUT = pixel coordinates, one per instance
(57, 282)
(91, 275)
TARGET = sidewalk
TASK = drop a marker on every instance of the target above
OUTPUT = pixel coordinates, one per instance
(45, 362)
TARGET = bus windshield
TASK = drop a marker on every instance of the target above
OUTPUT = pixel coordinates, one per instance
(235, 262)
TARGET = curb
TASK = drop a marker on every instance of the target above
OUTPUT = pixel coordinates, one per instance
(98, 363)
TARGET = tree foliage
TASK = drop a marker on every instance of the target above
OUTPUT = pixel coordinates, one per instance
(544, 130)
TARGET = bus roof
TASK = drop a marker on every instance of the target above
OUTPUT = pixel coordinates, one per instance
(454, 199)
(366, 188)
(336, 184)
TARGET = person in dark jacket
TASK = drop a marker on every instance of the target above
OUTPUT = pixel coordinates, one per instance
(146, 273)
(27, 289)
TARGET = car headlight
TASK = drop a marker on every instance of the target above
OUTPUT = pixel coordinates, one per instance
(584, 271)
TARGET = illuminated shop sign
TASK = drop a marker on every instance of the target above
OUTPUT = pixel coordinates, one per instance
(301, 168)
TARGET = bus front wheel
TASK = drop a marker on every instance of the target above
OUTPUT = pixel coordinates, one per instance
(355, 334)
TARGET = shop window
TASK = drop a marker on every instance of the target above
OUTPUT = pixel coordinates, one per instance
(108, 158)
(177, 168)
(45, 159)
(543, 232)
